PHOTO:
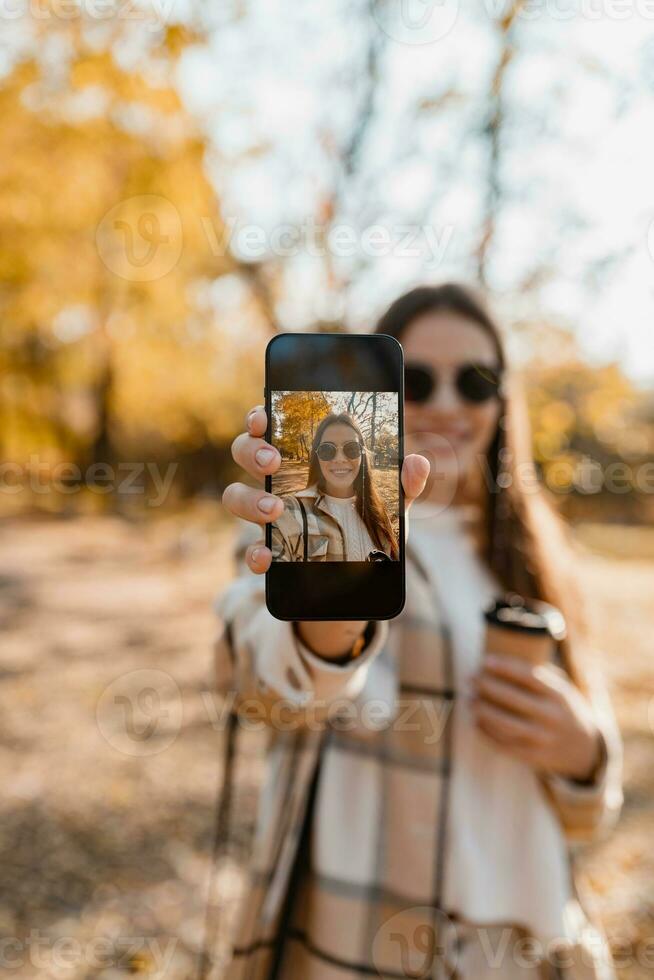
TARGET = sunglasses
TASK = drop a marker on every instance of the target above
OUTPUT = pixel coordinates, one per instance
(476, 383)
(326, 451)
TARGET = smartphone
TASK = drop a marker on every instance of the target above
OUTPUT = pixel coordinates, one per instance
(335, 406)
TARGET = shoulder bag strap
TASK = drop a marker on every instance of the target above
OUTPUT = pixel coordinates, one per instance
(305, 529)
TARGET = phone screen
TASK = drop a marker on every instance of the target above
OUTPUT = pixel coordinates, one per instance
(334, 405)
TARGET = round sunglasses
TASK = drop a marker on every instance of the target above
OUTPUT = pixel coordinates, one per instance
(326, 451)
(475, 383)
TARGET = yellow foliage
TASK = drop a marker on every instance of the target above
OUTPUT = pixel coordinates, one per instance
(557, 416)
(86, 203)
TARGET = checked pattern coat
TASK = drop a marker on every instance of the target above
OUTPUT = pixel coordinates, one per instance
(370, 743)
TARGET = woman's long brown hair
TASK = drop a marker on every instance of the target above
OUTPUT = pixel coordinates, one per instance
(527, 545)
(369, 504)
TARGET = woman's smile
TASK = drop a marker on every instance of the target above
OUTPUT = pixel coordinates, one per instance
(339, 474)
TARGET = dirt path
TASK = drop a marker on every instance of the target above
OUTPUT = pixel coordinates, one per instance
(109, 744)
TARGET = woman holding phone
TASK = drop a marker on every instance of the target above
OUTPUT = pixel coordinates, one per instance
(339, 515)
(423, 794)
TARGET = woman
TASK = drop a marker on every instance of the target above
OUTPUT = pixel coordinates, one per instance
(340, 515)
(422, 795)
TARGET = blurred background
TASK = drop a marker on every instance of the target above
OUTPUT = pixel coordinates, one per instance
(179, 181)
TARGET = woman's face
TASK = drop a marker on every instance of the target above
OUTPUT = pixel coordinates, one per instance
(452, 432)
(339, 473)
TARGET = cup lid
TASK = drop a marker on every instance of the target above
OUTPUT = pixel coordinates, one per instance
(529, 616)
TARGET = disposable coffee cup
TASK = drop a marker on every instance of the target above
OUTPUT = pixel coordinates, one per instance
(529, 630)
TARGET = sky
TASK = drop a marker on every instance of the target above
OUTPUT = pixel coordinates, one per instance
(276, 89)
(577, 169)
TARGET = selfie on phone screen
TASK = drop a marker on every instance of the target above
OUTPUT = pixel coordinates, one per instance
(337, 479)
(339, 476)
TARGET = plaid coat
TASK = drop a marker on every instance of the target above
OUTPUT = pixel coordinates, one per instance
(326, 540)
(367, 731)
(324, 537)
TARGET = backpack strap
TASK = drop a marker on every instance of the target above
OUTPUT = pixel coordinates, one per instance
(305, 529)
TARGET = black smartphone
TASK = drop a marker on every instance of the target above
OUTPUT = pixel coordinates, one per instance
(335, 406)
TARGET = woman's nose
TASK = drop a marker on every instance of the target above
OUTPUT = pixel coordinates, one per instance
(446, 397)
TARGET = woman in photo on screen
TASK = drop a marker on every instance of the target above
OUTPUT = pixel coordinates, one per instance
(340, 514)
(436, 840)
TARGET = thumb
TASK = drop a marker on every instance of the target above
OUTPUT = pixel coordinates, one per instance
(415, 471)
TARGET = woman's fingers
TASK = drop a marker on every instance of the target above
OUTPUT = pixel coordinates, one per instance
(519, 672)
(504, 725)
(252, 453)
(415, 471)
(258, 558)
(252, 505)
(258, 458)
(511, 697)
(255, 456)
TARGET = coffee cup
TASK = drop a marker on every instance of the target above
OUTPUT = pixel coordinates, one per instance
(528, 629)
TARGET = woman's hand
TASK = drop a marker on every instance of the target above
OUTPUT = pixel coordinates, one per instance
(259, 459)
(537, 715)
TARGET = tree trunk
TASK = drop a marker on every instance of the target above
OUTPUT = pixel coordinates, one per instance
(373, 424)
(101, 450)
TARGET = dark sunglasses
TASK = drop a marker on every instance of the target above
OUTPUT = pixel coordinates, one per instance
(475, 383)
(326, 451)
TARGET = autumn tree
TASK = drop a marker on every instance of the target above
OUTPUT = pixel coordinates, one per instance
(109, 334)
(296, 415)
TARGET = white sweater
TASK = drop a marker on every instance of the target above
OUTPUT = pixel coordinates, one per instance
(496, 801)
(358, 542)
